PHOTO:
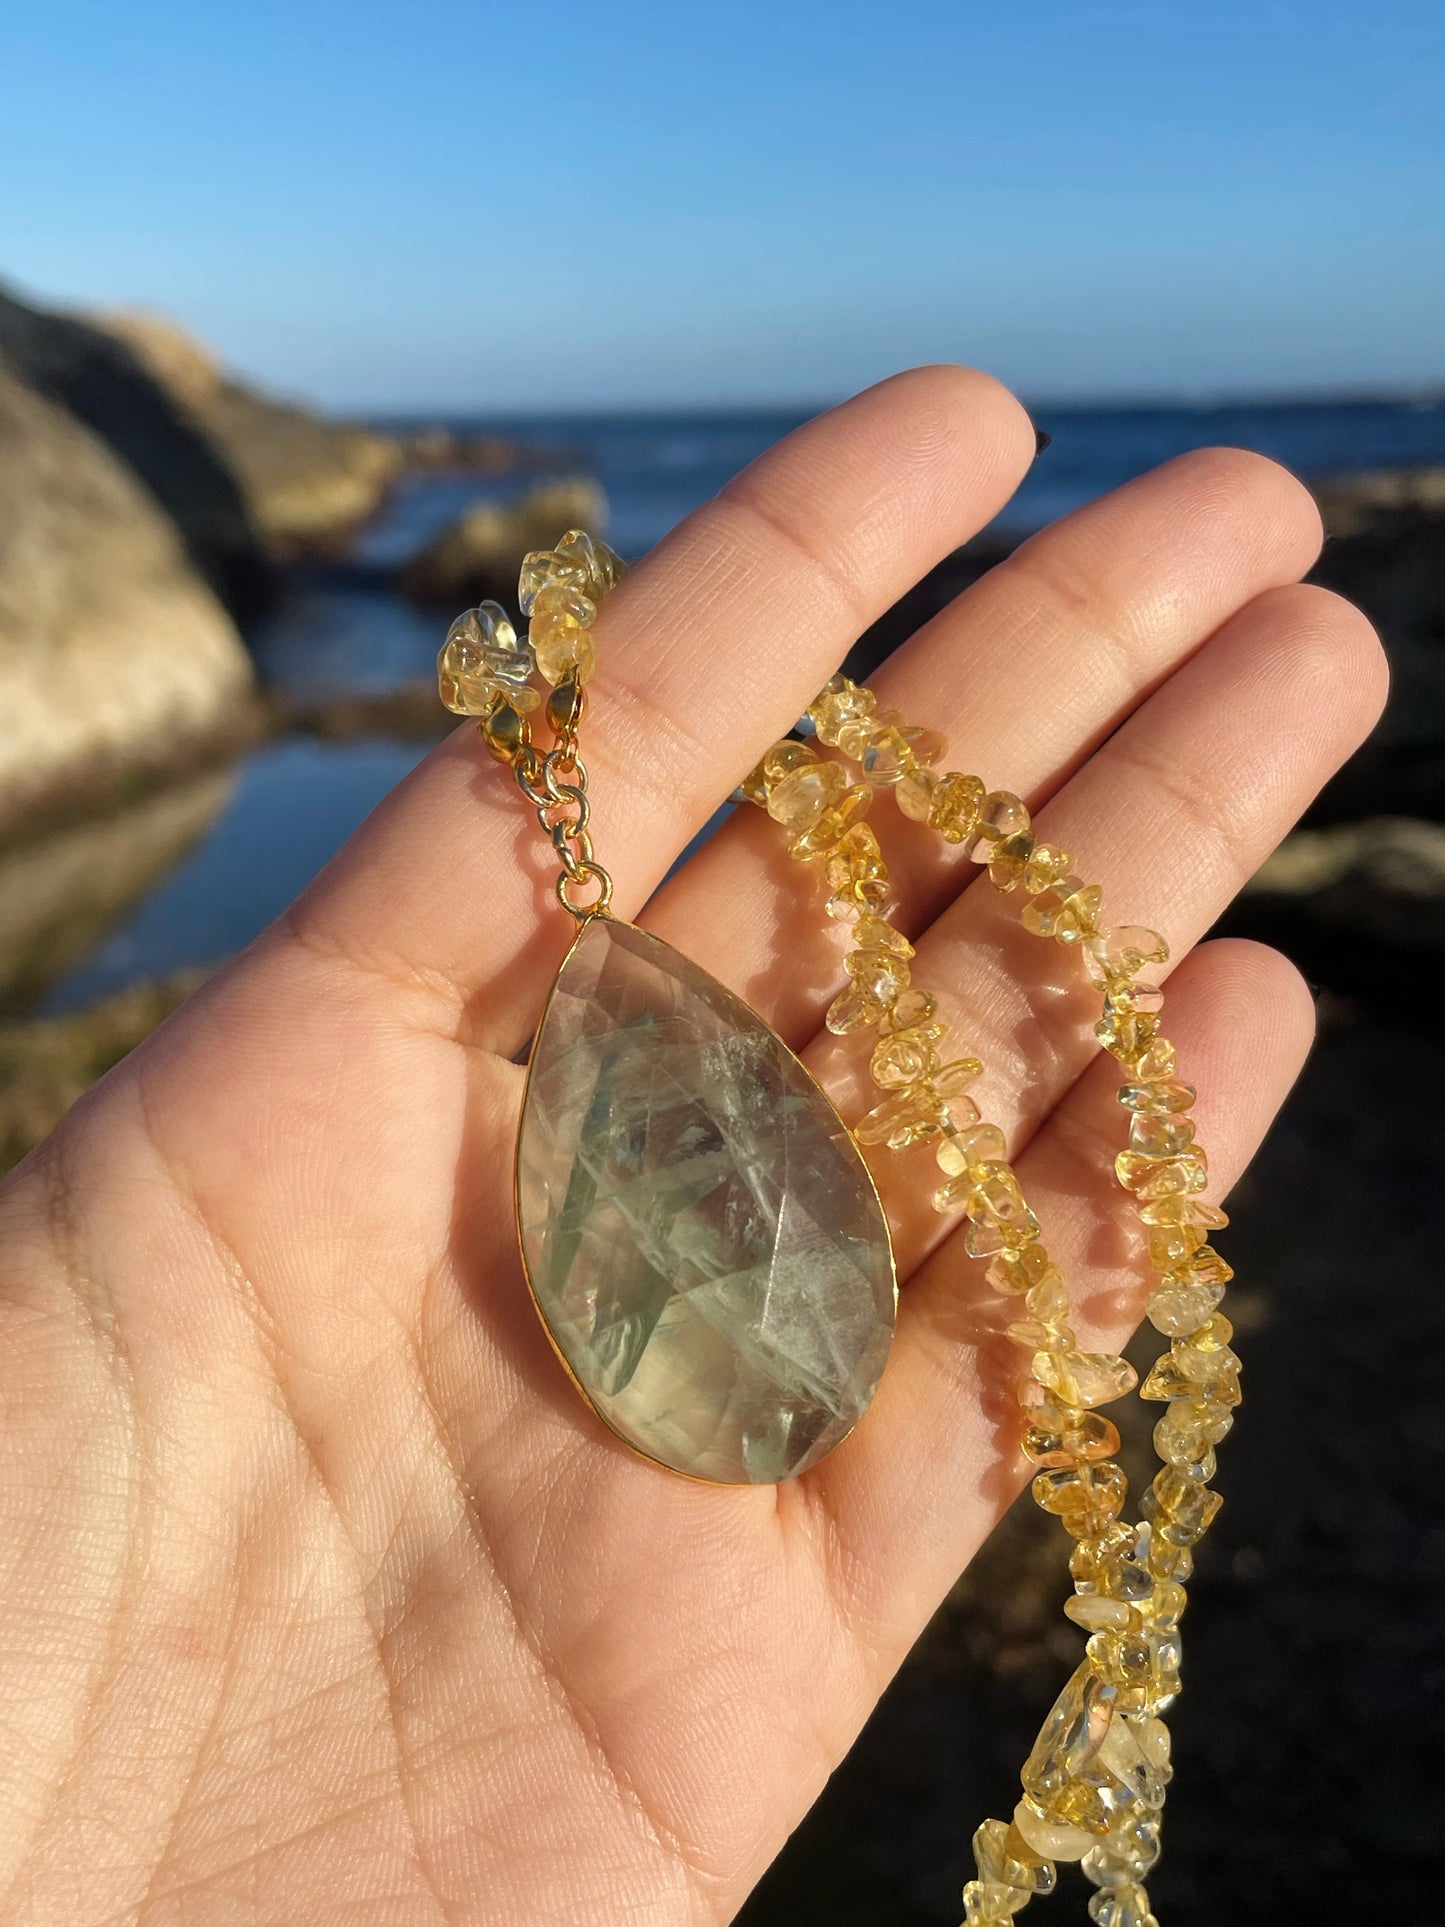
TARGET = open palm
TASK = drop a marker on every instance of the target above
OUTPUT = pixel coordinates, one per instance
(325, 1598)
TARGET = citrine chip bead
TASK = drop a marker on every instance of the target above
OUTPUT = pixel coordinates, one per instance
(913, 1008)
(1158, 1099)
(1124, 1030)
(1160, 1137)
(905, 1118)
(879, 974)
(955, 805)
(914, 792)
(800, 795)
(1047, 863)
(841, 702)
(986, 1904)
(1122, 1906)
(1054, 1838)
(877, 933)
(1115, 955)
(601, 567)
(1008, 859)
(828, 831)
(1018, 1271)
(1067, 910)
(1086, 1497)
(1002, 1855)
(1086, 1437)
(483, 658)
(1176, 1309)
(1085, 1378)
(1001, 815)
(1151, 1176)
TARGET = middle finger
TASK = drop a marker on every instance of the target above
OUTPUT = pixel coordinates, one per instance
(1026, 672)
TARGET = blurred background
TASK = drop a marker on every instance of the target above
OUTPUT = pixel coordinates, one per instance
(313, 318)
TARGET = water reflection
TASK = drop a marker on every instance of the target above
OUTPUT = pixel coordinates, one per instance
(250, 842)
(60, 898)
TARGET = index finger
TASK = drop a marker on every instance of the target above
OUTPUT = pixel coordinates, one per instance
(709, 650)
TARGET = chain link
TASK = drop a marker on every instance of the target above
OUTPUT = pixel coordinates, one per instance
(554, 782)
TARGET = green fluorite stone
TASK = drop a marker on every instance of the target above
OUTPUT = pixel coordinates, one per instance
(701, 1234)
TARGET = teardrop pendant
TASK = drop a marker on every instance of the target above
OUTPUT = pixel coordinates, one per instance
(701, 1235)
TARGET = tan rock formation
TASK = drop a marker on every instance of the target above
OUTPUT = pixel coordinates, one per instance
(114, 655)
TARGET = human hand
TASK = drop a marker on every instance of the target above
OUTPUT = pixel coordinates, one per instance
(325, 1598)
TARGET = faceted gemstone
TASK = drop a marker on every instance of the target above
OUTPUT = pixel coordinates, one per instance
(700, 1231)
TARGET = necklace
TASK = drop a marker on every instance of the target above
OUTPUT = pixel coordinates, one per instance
(706, 1247)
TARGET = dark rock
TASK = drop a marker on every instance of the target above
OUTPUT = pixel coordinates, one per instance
(1390, 559)
(306, 482)
(479, 554)
(100, 381)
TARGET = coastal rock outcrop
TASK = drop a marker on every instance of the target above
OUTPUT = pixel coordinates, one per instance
(305, 481)
(116, 659)
(100, 381)
(479, 554)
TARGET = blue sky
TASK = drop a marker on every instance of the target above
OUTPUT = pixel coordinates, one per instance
(470, 206)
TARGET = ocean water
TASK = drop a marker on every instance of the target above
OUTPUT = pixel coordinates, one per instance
(657, 468)
(341, 630)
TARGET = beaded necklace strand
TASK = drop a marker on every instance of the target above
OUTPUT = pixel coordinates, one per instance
(1094, 1783)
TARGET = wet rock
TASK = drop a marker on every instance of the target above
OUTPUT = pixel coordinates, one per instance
(306, 482)
(115, 657)
(479, 554)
